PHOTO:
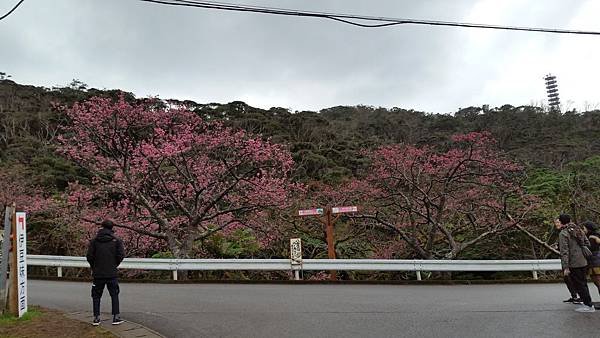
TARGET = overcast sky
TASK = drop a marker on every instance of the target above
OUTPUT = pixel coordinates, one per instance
(308, 64)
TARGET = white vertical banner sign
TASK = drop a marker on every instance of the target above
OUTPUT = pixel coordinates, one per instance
(296, 251)
(21, 262)
(296, 256)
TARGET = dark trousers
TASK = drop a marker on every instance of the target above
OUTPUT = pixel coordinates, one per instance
(570, 286)
(112, 284)
(579, 279)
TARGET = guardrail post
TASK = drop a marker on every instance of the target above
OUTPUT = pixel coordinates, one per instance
(296, 275)
(535, 275)
(418, 275)
(174, 274)
(59, 271)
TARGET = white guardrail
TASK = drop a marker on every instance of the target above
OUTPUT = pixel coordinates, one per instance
(169, 264)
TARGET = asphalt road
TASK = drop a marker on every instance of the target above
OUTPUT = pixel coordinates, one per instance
(241, 310)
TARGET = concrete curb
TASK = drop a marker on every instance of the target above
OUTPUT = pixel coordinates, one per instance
(318, 282)
(126, 330)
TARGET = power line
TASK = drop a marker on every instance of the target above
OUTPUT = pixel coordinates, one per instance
(351, 19)
(264, 10)
(12, 10)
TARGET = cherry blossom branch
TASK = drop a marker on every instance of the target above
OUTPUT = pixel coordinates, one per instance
(138, 230)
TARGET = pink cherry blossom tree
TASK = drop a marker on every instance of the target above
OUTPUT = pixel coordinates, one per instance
(443, 201)
(14, 188)
(48, 228)
(168, 175)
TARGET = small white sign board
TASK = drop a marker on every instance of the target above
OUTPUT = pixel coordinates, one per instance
(339, 210)
(310, 212)
(21, 262)
(296, 250)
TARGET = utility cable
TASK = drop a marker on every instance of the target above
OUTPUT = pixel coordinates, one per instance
(12, 10)
(351, 19)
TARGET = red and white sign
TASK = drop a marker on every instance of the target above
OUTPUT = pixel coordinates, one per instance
(310, 212)
(340, 210)
(21, 262)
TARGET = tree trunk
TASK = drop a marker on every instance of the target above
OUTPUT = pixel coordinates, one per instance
(181, 250)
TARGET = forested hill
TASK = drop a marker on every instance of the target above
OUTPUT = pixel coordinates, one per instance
(325, 144)
(559, 153)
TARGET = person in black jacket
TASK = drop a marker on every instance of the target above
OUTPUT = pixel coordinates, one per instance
(592, 231)
(105, 253)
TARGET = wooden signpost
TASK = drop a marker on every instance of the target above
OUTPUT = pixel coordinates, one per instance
(329, 221)
(6, 244)
(13, 291)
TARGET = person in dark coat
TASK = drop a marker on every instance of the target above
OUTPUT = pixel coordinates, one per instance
(592, 231)
(105, 253)
(572, 239)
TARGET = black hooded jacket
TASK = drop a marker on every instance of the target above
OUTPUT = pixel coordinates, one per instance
(105, 253)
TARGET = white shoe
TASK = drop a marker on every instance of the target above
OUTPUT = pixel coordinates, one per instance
(585, 308)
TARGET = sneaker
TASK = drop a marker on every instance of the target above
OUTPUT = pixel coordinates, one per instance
(577, 301)
(96, 321)
(570, 300)
(585, 308)
(117, 320)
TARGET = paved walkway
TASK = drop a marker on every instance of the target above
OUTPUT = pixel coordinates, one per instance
(124, 330)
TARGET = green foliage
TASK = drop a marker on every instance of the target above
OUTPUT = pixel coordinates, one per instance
(241, 243)
(548, 184)
(54, 172)
(586, 170)
(163, 254)
(325, 144)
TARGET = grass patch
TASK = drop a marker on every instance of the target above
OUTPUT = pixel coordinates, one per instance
(40, 322)
(7, 319)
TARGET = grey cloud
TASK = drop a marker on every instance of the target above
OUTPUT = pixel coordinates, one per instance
(299, 63)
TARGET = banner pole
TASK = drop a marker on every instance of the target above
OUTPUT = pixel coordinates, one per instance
(13, 299)
(6, 242)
